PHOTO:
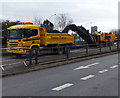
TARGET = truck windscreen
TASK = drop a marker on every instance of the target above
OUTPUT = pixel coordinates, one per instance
(21, 33)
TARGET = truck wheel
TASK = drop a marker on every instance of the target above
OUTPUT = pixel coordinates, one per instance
(60, 50)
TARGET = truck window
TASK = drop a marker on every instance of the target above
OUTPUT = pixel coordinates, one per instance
(30, 32)
(14, 34)
(21, 33)
(34, 32)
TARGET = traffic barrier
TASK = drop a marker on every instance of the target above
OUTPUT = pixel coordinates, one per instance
(35, 57)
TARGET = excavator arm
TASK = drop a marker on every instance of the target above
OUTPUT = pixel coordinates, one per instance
(83, 33)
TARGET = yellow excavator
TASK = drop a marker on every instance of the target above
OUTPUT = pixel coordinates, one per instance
(104, 37)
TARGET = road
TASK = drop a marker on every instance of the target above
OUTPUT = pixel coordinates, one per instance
(95, 77)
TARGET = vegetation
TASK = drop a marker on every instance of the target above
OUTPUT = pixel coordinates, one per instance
(62, 20)
(4, 25)
(117, 32)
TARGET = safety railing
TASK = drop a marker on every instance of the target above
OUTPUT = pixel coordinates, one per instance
(33, 57)
(101, 47)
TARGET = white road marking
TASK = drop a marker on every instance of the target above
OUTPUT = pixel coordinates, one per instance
(76, 50)
(84, 67)
(102, 71)
(81, 67)
(114, 66)
(15, 59)
(2, 68)
(7, 60)
(11, 64)
(93, 64)
(25, 63)
(62, 87)
(87, 77)
(45, 56)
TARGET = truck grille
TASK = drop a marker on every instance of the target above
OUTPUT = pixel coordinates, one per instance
(13, 42)
(13, 45)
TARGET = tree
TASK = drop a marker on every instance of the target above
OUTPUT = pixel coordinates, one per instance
(117, 32)
(37, 21)
(62, 20)
(6, 24)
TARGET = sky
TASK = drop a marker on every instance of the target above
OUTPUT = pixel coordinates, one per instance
(101, 13)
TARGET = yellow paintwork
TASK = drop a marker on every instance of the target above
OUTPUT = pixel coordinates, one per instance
(55, 38)
(17, 51)
(24, 26)
(103, 38)
(43, 38)
(95, 33)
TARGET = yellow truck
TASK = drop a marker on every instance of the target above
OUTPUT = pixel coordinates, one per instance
(23, 37)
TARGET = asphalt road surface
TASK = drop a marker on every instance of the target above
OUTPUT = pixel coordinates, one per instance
(94, 77)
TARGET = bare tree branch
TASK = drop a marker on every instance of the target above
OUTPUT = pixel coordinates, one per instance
(62, 20)
(37, 21)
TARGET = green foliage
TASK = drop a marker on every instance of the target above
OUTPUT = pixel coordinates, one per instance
(3, 26)
(7, 23)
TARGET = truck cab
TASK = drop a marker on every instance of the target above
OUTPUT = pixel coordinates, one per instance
(22, 36)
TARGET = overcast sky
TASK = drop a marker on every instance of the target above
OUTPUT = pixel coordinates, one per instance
(102, 13)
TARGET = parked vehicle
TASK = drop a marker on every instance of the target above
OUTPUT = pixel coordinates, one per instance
(31, 36)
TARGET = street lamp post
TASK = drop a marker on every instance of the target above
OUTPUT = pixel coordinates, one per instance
(51, 16)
